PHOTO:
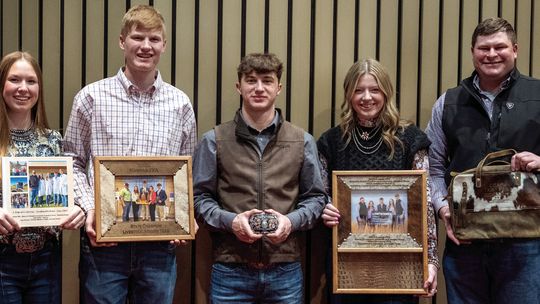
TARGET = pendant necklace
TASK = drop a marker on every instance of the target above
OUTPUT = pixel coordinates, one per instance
(359, 135)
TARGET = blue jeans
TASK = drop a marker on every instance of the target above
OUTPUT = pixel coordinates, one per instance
(30, 277)
(125, 213)
(33, 196)
(143, 272)
(495, 271)
(238, 283)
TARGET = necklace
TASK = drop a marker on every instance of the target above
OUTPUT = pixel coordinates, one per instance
(360, 135)
(367, 135)
(23, 135)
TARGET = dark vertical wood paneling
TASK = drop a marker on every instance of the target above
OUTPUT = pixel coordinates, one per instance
(243, 30)
(531, 38)
(312, 66)
(195, 99)
(378, 32)
(219, 66)
(1, 28)
(40, 32)
(460, 40)
(356, 28)
(62, 54)
(20, 32)
(419, 56)
(439, 46)
(172, 44)
(398, 53)
(105, 37)
(266, 25)
(334, 61)
(83, 44)
(289, 61)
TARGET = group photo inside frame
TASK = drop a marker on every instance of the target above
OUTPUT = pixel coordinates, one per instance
(380, 243)
(37, 191)
(143, 198)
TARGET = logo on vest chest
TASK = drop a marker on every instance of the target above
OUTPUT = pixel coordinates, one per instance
(509, 105)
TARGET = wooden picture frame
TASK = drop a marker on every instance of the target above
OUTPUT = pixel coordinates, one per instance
(172, 173)
(382, 251)
(48, 203)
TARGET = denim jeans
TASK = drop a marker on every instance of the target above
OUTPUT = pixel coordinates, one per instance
(238, 283)
(30, 277)
(33, 196)
(495, 271)
(125, 213)
(143, 272)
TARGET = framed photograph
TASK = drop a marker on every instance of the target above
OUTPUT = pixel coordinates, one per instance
(380, 244)
(143, 198)
(37, 191)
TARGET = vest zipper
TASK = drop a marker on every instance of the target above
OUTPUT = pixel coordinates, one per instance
(259, 200)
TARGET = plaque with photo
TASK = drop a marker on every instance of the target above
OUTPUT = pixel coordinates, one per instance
(380, 244)
(143, 198)
(37, 191)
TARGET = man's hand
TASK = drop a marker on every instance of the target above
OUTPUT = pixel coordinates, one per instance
(241, 228)
(177, 242)
(90, 226)
(525, 161)
(74, 220)
(283, 230)
(330, 215)
(430, 285)
(444, 214)
(7, 223)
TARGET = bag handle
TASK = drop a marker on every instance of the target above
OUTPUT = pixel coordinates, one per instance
(490, 156)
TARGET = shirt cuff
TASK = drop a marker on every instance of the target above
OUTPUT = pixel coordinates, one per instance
(228, 218)
(295, 219)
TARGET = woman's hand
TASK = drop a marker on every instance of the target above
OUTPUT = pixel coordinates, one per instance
(7, 223)
(430, 285)
(330, 215)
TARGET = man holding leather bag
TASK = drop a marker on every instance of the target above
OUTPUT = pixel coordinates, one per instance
(496, 108)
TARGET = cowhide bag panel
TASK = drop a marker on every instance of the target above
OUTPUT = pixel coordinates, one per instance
(491, 201)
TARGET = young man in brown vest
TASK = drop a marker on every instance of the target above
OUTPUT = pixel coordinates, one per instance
(259, 167)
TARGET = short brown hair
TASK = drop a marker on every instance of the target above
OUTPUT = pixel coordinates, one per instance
(142, 16)
(494, 25)
(260, 63)
(38, 115)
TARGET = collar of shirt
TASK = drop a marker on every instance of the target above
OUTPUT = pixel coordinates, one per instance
(487, 94)
(269, 130)
(132, 90)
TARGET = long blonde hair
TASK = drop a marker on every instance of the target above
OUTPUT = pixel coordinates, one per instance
(38, 115)
(389, 115)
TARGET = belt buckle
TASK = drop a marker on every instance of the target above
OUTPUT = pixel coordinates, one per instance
(260, 265)
(27, 243)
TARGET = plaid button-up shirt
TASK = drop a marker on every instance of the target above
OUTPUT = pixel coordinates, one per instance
(111, 117)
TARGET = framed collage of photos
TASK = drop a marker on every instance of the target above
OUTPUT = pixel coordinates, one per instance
(37, 191)
(380, 243)
(143, 198)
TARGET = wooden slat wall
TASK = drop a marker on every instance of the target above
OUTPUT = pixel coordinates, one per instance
(424, 44)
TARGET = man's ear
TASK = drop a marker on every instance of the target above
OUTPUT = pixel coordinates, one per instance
(238, 88)
(121, 42)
